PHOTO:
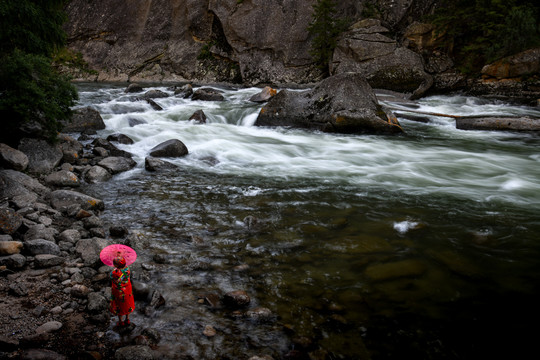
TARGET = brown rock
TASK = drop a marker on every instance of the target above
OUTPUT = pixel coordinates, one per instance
(10, 247)
(236, 299)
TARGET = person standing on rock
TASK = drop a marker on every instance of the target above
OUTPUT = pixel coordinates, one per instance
(122, 301)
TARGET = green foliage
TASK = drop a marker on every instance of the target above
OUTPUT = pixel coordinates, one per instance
(32, 94)
(481, 31)
(71, 59)
(205, 52)
(325, 29)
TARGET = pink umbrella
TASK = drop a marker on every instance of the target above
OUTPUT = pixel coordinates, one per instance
(108, 254)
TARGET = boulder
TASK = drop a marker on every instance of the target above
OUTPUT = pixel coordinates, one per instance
(41, 246)
(343, 103)
(132, 122)
(184, 91)
(70, 236)
(62, 178)
(84, 119)
(154, 105)
(134, 88)
(97, 174)
(113, 150)
(207, 94)
(155, 164)
(120, 138)
(89, 249)
(169, 148)
(96, 303)
(11, 158)
(16, 185)
(155, 94)
(117, 164)
(40, 231)
(42, 156)
(522, 64)
(15, 261)
(48, 260)
(381, 60)
(10, 247)
(63, 199)
(71, 148)
(498, 123)
(10, 221)
(198, 116)
(266, 94)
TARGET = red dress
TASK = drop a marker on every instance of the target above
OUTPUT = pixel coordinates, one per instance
(122, 301)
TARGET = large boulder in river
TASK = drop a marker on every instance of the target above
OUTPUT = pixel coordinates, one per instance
(381, 60)
(207, 94)
(117, 164)
(42, 156)
(169, 148)
(84, 119)
(343, 103)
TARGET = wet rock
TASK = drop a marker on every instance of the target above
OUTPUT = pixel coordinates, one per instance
(152, 335)
(83, 120)
(13, 262)
(155, 94)
(101, 152)
(184, 91)
(89, 249)
(213, 300)
(121, 139)
(263, 357)
(157, 300)
(48, 260)
(41, 246)
(209, 331)
(49, 327)
(42, 156)
(343, 103)
(92, 222)
(207, 94)
(132, 122)
(113, 150)
(266, 94)
(394, 270)
(236, 299)
(63, 199)
(10, 221)
(117, 164)
(118, 231)
(259, 314)
(62, 178)
(97, 174)
(10, 247)
(96, 303)
(169, 148)
(134, 88)
(141, 291)
(138, 352)
(198, 116)
(154, 164)
(41, 354)
(11, 158)
(154, 105)
(498, 123)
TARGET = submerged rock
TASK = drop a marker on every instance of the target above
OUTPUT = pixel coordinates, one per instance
(198, 116)
(344, 103)
(236, 299)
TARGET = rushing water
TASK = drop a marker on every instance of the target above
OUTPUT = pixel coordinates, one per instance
(423, 245)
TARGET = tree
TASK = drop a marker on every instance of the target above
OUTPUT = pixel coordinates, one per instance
(325, 29)
(33, 96)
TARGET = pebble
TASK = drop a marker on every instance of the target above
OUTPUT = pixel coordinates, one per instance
(49, 327)
(209, 331)
(56, 310)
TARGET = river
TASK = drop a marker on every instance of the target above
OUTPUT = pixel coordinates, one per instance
(423, 245)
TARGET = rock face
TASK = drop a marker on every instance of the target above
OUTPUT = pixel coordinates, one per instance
(381, 60)
(344, 103)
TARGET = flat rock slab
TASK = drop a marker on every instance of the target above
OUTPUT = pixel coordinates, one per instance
(63, 199)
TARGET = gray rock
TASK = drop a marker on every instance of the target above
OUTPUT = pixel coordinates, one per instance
(117, 164)
(169, 148)
(70, 235)
(96, 303)
(11, 158)
(18, 289)
(62, 178)
(40, 231)
(42, 156)
(14, 183)
(113, 150)
(134, 352)
(47, 260)
(14, 262)
(62, 199)
(133, 88)
(49, 327)
(155, 94)
(259, 314)
(97, 174)
(343, 103)
(92, 222)
(132, 122)
(71, 148)
(207, 94)
(10, 221)
(41, 246)
(84, 119)
(155, 164)
(89, 249)
(498, 123)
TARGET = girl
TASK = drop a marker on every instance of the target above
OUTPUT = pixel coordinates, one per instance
(122, 301)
